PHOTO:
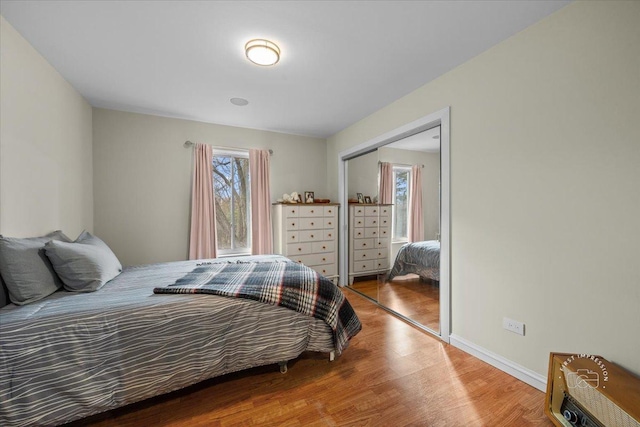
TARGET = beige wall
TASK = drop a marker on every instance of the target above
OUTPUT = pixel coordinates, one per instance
(45, 145)
(142, 185)
(545, 157)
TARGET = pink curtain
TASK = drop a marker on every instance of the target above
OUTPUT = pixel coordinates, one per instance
(386, 183)
(261, 240)
(202, 242)
(416, 220)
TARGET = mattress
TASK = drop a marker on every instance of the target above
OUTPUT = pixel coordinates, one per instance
(72, 355)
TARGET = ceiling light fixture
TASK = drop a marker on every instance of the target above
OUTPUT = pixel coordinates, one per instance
(240, 102)
(262, 52)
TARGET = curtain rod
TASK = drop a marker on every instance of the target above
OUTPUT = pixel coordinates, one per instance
(188, 144)
(400, 164)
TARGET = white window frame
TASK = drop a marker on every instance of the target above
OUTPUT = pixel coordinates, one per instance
(394, 213)
(221, 253)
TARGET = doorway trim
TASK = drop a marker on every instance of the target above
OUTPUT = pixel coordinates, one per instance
(439, 118)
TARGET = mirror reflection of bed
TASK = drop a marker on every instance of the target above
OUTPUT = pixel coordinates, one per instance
(410, 287)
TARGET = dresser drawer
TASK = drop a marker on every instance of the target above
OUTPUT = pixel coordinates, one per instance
(358, 211)
(331, 211)
(326, 270)
(311, 235)
(384, 232)
(311, 223)
(292, 237)
(364, 255)
(382, 242)
(311, 211)
(290, 211)
(358, 221)
(385, 211)
(315, 259)
(319, 247)
(371, 221)
(381, 264)
(330, 222)
(384, 221)
(294, 249)
(371, 232)
(363, 244)
(330, 234)
(359, 233)
(382, 253)
(360, 266)
(291, 223)
(371, 211)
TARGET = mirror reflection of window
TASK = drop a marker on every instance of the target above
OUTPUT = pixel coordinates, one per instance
(401, 180)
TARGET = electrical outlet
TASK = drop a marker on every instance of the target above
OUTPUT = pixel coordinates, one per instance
(513, 326)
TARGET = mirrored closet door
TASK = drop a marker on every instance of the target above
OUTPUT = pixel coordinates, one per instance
(394, 239)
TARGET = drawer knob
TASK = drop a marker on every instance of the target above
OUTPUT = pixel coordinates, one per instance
(311, 223)
(329, 234)
(324, 259)
(375, 222)
(324, 247)
(293, 237)
(364, 255)
(324, 271)
(311, 210)
(329, 222)
(330, 211)
(375, 232)
(312, 236)
(299, 249)
(293, 224)
(364, 244)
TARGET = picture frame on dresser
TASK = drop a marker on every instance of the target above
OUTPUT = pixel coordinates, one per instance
(309, 197)
(367, 200)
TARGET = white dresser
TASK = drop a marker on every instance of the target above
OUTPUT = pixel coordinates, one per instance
(308, 234)
(369, 239)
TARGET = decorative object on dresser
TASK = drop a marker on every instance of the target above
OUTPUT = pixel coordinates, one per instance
(308, 234)
(367, 200)
(360, 197)
(369, 233)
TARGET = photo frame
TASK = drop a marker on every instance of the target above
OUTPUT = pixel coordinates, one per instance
(367, 199)
(360, 197)
(309, 197)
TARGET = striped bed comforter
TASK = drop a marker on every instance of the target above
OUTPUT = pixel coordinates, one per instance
(72, 355)
(421, 258)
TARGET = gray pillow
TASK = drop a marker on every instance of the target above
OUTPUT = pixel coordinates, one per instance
(84, 265)
(25, 269)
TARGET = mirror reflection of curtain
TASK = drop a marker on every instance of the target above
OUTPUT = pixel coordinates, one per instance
(386, 183)
(416, 221)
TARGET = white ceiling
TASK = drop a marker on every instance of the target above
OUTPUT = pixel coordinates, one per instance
(341, 60)
(428, 141)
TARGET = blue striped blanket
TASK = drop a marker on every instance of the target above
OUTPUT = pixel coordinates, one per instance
(277, 282)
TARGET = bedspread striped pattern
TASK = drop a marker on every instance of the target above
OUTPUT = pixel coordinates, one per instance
(283, 283)
(72, 354)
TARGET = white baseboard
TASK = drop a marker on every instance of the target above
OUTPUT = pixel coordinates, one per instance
(528, 376)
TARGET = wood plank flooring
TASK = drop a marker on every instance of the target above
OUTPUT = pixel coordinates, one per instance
(408, 295)
(392, 374)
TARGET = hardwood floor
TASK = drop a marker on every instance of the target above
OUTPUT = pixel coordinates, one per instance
(408, 295)
(392, 374)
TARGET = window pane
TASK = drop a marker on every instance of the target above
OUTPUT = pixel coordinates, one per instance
(400, 204)
(231, 187)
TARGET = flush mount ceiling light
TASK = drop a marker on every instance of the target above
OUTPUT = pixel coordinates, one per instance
(262, 52)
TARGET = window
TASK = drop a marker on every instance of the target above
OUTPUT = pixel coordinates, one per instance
(233, 202)
(401, 180)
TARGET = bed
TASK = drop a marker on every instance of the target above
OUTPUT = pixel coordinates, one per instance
(71, 355)
(421, 258)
